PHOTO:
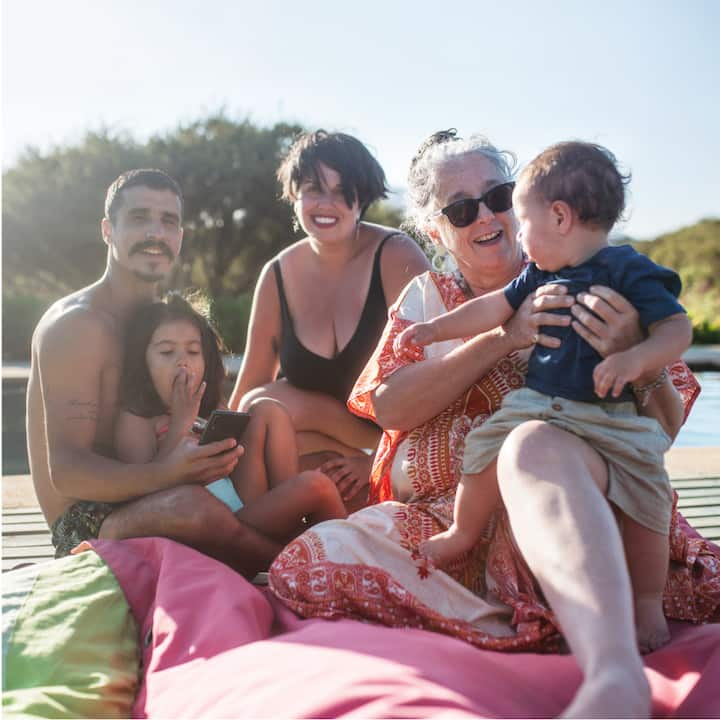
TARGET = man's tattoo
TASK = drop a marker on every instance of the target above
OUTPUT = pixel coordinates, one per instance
(83, 410)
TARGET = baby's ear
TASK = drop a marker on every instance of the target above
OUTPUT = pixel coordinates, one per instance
(563, 215)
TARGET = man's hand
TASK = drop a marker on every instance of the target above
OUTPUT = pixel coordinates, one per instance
(615, 371)
(193, 463)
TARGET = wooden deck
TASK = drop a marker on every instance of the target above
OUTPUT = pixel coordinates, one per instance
(26, 538)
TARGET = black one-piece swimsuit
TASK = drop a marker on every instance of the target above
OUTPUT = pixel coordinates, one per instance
(333, 376)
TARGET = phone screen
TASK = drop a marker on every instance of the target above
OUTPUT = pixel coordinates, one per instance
(224, 424)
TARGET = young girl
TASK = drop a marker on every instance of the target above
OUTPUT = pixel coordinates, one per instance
(173, 373)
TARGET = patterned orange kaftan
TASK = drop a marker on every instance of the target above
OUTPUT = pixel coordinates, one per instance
(364, 567)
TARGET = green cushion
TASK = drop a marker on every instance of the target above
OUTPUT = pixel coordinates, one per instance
(70, 642)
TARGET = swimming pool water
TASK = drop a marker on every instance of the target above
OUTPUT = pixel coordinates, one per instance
(702, 428)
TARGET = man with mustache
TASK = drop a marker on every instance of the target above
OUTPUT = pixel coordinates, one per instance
(72, 394)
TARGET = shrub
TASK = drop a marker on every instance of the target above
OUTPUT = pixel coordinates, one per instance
(705, 333)
(231, 316)
(20, 315)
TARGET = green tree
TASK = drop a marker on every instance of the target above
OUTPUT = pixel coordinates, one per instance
(52, 206)
(694, 252)
(234, 220)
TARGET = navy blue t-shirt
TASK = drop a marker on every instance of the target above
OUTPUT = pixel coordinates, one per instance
(567, 371)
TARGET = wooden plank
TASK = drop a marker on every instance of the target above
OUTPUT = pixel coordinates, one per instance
(712, 511)
(22, 526)
(21, 552)
(712, 534)
(698, 493)
(695, 482)
(693, 499)
(26, 528)
(698, 502)
(40, 540)
(15, 520)
(14, 562)
(699, 523)
(25, 537)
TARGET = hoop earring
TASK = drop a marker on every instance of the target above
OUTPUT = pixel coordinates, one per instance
(295, 224)
(439, 260)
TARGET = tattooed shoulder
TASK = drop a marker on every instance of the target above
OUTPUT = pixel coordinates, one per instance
(82, 410)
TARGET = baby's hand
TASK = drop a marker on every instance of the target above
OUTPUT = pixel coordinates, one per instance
(615, 371)
(417, 335)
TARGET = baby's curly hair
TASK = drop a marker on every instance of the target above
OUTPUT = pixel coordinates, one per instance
(137, 391)
(582, 174)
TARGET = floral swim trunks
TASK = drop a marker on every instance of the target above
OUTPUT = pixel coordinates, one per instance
(81, 521)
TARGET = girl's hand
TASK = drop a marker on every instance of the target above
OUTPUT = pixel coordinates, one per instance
(185, 401)
(524, 326)
(612, 326)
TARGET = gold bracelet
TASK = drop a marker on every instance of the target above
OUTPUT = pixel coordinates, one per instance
(643, 392)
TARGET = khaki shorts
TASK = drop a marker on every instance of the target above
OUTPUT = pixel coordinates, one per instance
(632, 446)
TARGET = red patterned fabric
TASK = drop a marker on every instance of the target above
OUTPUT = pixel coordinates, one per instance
(365, 567)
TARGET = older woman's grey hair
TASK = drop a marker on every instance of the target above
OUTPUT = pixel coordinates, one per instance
(432, 154)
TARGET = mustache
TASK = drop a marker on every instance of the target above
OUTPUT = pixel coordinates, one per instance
(151, 245)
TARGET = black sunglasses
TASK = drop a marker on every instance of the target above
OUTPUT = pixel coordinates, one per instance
(462, 213)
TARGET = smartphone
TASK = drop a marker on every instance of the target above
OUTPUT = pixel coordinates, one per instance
(224, 424)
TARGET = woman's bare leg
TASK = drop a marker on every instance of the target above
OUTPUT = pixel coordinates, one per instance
(648, 559)
(477, 496)
(279, 512)
(553, 486)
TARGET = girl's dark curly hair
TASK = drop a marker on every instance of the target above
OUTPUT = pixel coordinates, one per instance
(137, 391)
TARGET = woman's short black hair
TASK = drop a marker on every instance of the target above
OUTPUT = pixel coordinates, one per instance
(137, 391)
(361, 175)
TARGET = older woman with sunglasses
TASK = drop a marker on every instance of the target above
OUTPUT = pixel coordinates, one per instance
(562, 564)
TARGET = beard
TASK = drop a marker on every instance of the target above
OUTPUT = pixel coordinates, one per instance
(152, 274)
(149, 276)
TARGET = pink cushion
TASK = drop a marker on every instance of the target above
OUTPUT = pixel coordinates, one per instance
(221, 647)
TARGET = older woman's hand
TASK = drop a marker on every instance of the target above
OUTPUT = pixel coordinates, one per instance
(524, 326)
(612, 326)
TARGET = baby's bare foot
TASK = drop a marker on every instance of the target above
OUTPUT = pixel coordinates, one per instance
(652, 627)
(445, 547)
(613, 694)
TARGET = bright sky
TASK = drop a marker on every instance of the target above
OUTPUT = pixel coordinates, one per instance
(640, 77)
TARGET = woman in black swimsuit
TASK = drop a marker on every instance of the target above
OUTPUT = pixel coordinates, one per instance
(321, 304)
